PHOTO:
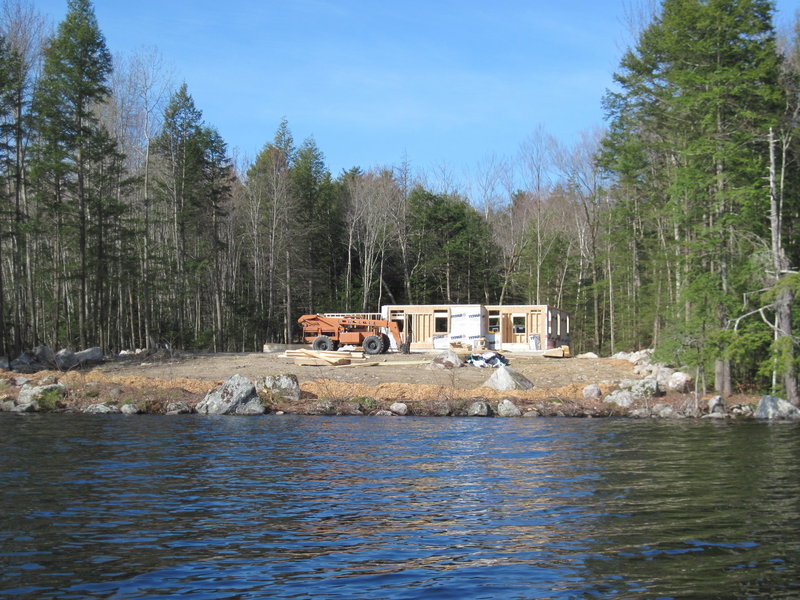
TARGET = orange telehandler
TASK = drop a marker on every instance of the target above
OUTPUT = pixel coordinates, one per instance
(326, 333)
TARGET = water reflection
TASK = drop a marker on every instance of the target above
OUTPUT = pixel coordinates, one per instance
(396, 508)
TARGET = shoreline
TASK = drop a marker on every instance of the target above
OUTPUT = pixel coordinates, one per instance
(99, 393)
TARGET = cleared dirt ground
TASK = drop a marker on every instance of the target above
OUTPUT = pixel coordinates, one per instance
(201, 372)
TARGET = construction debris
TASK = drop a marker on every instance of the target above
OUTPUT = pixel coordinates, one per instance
(315, 358)
(560, 352)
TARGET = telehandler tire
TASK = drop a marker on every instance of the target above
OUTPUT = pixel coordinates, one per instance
(372, 344)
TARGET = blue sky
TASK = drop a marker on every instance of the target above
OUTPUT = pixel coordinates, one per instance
(443, 83)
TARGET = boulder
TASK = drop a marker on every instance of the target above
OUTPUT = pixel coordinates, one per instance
(4, 364)
(384, 413)
(399, 408)
(236, 396)
(323, 407)
(280, 387)
(26, 363)
(100, 409)
(446, 360)
(25, 408)
(716, 415)
(622, 398)
(440, 408)
(36, 394)
(66, 360)
(532, 413)
(741, 410)
(772, 408)
(6, 404)
(587, 355)
(591, 391)
(129, 409)
(506, 379)
(640, 413)
(44, 356)
(640, 388)
(479, 409)
(663, 411)
(177, 407)
(506, 408)
(680, 382)
(716, 404)
(90, 356)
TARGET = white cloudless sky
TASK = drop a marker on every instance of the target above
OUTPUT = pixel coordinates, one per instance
(441, 83)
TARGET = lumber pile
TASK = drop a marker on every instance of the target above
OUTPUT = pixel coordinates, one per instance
(560, 352)
(316, 358)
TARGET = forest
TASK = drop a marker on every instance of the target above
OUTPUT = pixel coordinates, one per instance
(125, 222)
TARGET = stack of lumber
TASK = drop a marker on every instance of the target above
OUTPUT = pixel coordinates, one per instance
(561, 352)
(316, 358)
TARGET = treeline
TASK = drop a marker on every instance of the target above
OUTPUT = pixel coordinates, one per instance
(125, 223)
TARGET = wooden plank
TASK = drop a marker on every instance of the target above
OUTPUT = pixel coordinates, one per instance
(554, 353)
(310, 361)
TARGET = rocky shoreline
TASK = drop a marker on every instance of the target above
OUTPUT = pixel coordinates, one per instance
(659, 392)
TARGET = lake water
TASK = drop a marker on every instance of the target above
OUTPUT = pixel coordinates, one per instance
(368, 507)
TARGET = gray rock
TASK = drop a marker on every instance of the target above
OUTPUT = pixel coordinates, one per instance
(506, 408)
(591, 391)
(622, 398)
(251, 407)
(399, 408)
(323, 407)
(28, 407)
(716, 404)
(440, 408)
(640, 389)
(20, 381)
(35, 393)
(532, 413)
(663, 411)
(100, 409)
(640, 413)
(506, 379)
(772, 408)
(66, 360)
(587, 355)
(6, 404)
(236, 396)
(26, 363)
(44, 356)
(90, 356)
(129, 409)
(662, 375)
(641, 356)
(446, 360)
(680, 382)
(741, 410)
(479, 409)
(283, 387)
(384, 413)
(176, 407)
(716, 415)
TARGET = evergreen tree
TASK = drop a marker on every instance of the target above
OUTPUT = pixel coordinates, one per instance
(688, 144)
(73, 153)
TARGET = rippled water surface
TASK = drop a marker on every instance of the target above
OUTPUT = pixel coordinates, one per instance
(303, 507)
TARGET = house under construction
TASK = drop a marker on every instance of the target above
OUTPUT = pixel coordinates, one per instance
(523, 327)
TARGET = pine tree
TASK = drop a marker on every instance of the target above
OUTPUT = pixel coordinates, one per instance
(688, 143)
(72, 150)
